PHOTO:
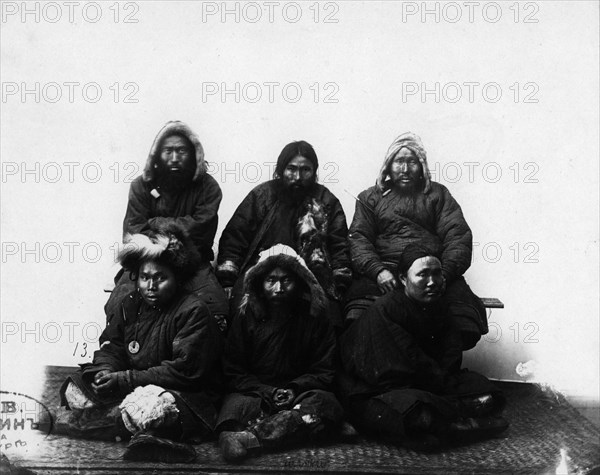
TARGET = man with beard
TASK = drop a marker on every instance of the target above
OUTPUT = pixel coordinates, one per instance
(279, 360)
(402, 363)
(406, 207)
(175, 188)
(292, 209)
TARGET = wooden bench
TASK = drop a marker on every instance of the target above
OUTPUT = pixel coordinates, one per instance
(492, 302)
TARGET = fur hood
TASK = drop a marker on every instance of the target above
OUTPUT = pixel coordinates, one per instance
(412, 142)
(286, 258)
(169, 245)
(170, 128)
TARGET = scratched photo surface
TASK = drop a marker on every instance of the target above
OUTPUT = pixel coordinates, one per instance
(504, 96)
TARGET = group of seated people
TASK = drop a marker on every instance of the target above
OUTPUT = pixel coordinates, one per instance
(304, 332)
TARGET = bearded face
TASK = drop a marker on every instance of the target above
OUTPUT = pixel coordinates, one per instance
(280, 287)
(176, 163)
(406, 172)
(298, 177)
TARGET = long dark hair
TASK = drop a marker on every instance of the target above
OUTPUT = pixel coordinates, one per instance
(291, 151)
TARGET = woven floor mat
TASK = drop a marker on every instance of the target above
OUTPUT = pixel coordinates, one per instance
(542, 424)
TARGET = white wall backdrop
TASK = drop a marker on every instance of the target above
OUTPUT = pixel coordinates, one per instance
(504, 96)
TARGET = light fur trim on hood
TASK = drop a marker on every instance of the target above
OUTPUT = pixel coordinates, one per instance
(171, 128)
(412, 142)
(285, 257)
(168, 244)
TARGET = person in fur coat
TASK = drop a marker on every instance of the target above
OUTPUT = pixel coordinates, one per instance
(291, 209)
(406, 207)
(176, 188)
(157, 373)
(402, 361)
(279, 360)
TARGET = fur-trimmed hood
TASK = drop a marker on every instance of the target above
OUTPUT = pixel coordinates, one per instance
(412, 142)
(169, 245)
(170, 128)
(286, 258)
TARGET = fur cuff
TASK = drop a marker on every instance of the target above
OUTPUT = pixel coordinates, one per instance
(342, 276)
(227, 273)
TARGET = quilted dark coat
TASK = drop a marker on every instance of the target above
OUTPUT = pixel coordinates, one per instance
(249, 217)
(385, 223)
(179, 350)
(194, 207)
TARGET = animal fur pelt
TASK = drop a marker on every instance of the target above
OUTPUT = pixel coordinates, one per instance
(312, 243)
(148, 407)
